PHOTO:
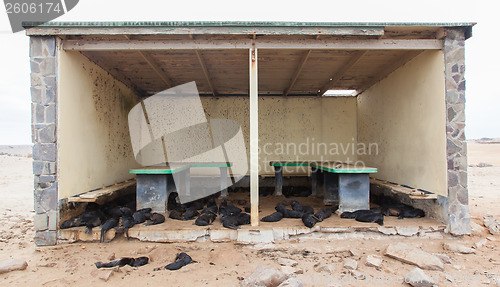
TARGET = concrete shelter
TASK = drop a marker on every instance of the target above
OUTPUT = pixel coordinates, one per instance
(276, 80)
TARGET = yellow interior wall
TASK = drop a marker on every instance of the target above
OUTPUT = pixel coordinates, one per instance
(304, 123)
(93, 139)
(405, 115)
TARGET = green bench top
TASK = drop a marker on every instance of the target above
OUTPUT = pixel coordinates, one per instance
(175, 167)
(339, 167)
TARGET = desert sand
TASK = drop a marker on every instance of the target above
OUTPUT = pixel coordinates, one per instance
(318, 263)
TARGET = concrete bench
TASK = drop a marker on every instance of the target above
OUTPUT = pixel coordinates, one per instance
(343, 183)
(154, 183)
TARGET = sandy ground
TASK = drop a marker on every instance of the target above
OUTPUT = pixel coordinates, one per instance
(226, 264)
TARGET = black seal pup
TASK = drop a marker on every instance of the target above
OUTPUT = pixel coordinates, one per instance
(364, 216)
(91, 220)
(110, 223)
(176, 214)
(310, 220)
(191, 213)
(208, 215)
(181, 260)
(128, 220)
(274, 217)
(205, 219)
(141, 215)
(411, 213)
(228, 209)
(301, 208)
(287, 213)
(134, 262)
(156, 218)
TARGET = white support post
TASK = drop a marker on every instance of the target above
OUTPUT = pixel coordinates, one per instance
(254, 138)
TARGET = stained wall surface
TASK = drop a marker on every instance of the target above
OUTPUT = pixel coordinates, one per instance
(294, 128)
(405, 115)
(94, 146)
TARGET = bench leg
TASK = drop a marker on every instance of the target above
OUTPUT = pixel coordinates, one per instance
(278, 175)
(331, 188)
(223, 181)
(152, 192)
(183, 185)
(314, 181)
(354, 191)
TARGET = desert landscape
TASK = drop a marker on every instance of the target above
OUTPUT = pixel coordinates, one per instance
(353, 261)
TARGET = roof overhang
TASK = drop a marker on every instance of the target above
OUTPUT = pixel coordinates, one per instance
(295, 58)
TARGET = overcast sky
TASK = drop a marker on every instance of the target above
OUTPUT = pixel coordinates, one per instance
(483, 99)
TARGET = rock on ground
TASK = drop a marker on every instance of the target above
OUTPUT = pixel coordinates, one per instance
(12, 265)
(492, 225)
(328, 268)
(418, 278)
(350, 264)
(412, 255)
(476, 229)
(291, 282)
(287, 262)
(263, 276)
(374, 261)
(458, 248)
(444, 258)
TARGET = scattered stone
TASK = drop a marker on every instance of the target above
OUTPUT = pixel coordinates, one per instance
(480, 244)
(476, 229)
(291, 282)
(457, 267)
(412, 255)
(407, 231)
(350, 264)
(458, 248)
(12, 265)
(483, 164)
(330, 269)
(51, 264)
(374, 261)
(354, 252)
(127, 269)
(105, 274)
(492, 225)
(387, 230)
(490, 238)
(111, 257)
(418, 278)
(263, 276)
(357, 275)
(443, 257)
(291, 270)
(287, 262)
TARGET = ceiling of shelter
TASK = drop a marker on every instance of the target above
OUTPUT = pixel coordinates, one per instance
(290, 72)
(226, 72)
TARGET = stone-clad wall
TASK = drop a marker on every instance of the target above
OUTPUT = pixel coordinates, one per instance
(456, 147)
(43, 129)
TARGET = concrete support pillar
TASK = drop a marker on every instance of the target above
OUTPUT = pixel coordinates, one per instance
(43, 59)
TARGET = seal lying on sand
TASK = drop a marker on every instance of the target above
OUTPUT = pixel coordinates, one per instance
(301, 208)
(134, 262)
(234, 221)
(310, 220)
(181, 260)
(274, 217)
(364, 216)
(156, 218)
(228, 209)
(287, 213)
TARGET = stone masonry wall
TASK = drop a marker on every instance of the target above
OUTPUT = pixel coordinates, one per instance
(43, 129)
(456, 147)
